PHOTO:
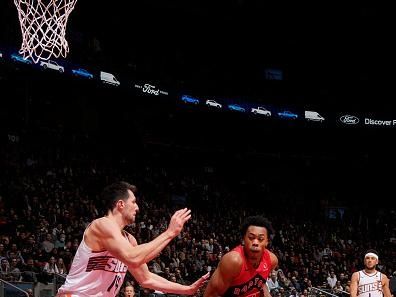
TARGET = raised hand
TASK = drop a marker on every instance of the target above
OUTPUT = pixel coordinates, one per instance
(177, 221)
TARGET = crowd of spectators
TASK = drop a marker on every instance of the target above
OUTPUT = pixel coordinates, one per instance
(48, 197)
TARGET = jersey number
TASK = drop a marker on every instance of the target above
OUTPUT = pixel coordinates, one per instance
(115, 282)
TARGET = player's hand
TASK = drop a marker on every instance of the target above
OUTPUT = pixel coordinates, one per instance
(198, 284)
(178, 220)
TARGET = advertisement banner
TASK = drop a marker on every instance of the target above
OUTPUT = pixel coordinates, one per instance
(150, 89)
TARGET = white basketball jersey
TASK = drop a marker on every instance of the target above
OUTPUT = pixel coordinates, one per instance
(370, 285)
(94, 274)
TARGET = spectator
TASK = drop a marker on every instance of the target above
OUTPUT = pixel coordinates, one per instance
(129, 291)
(31, 273)
(60, 241)
(50, 266)
(60, 267)
(157, 266)
(15, 271)
(5, 270)
(272, 282)
(338, 289)
(30, 292)
(332, 280)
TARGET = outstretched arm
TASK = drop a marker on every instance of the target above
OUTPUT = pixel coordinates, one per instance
(111, 239)
(150, 280)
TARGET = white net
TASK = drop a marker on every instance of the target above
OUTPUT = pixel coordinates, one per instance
(43, 26)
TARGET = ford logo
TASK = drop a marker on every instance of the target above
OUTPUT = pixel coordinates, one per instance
(349, 119)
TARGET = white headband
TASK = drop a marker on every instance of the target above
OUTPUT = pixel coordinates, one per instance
(371, 255)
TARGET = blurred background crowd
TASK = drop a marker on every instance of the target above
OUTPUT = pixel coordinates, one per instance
(49, 194)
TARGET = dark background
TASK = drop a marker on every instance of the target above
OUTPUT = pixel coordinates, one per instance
(332, 55)
(335, 58)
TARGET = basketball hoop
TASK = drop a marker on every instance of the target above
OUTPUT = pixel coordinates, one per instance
(43, 26)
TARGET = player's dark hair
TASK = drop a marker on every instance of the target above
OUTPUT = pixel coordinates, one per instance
(116, 191)
(259, 221)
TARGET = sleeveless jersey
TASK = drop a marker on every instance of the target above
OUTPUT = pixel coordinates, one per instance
(250, 281)
(370, 285)
(94, 274)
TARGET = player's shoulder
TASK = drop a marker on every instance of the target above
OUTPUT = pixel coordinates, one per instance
(231, 263)
(273, 258)
(383, 276)
(231, 259)
(272, 255)
(355, 275)
(101, 221)
(103, 226)
(233, 256)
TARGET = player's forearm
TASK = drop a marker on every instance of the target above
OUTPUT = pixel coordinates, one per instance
(159, 283)
(387, 292)
(353, 288)
(353, 294)
(145, 252)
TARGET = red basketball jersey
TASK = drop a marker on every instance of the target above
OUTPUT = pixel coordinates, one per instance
(250, 280)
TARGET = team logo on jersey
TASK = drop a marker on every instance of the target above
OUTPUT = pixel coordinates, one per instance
(106, 263)
(375, 286)
(251, 287)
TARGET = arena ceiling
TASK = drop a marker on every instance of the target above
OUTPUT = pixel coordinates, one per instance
(327, 52)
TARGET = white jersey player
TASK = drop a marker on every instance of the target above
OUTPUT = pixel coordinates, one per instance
(369, 282)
